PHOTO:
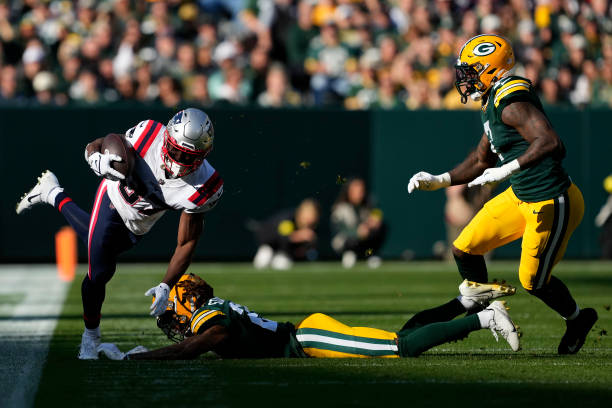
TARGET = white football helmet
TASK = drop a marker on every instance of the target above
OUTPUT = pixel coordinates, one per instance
(187, 141)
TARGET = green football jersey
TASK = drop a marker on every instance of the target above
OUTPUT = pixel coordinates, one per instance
(543, 181)
(250, 335)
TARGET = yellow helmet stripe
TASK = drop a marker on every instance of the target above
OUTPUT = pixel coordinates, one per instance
(510, 87)
(203, 317)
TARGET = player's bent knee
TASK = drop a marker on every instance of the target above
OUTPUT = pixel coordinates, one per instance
(532, 289)
(526, 282)
(100, 278)
(458, 253)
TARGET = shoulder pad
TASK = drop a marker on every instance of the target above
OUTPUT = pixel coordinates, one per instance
(202, 316)
(509, 86)
(143, 134)
(207, 194)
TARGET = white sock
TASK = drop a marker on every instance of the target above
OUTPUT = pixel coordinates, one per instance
(53, 194)
(92, 332)
(485, 317)
(469, 304)
(573, 315)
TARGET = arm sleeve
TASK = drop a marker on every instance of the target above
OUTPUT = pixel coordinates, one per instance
(209, 204)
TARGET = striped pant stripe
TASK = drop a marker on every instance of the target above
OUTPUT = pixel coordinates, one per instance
(557, 233)
(93, 220)
(327, 340)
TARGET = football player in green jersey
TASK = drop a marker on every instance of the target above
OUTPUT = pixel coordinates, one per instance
(200, 322)
(542, 206)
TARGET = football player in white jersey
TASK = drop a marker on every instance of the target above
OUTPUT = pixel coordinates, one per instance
(170, 172)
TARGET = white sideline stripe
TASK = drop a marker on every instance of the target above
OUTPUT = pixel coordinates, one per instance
(346, 343)
(26, 327)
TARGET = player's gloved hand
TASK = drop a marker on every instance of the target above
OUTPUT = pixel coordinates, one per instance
(161, 293)
(101, 164)
(495, 175)
(428, 182)
(112, 352)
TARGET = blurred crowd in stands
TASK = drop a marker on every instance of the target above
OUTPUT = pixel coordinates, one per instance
(357, 54)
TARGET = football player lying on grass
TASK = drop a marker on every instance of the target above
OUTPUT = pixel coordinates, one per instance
(200, 322)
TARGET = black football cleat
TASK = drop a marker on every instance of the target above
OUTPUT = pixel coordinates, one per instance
(577, 331)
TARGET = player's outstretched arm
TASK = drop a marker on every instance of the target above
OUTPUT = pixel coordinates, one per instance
(471, 167)
(188, 349)
(475, 163)
(533, 125)
(189, 231)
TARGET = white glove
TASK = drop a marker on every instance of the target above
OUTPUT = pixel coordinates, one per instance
(428, 182)
(161, 293)
(496, 174)
(101, 164)
(112, 352)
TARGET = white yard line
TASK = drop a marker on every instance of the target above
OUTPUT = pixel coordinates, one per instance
(31, 299)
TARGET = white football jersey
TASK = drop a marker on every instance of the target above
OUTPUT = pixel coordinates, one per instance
(150, 193)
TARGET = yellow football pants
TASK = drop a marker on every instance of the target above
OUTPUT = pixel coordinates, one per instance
(324, 337)
(546, 227)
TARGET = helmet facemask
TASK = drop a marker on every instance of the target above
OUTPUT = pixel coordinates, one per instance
(175, 327)
(187, 296)
(468, 82)
(180, 160)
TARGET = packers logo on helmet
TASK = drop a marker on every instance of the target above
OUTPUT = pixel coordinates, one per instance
(187, 296)
(483, 49)
(482, 60)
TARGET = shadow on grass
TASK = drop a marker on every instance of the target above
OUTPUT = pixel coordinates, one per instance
(296, 382)
(301, 315)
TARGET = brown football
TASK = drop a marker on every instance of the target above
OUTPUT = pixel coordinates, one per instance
(116, 144)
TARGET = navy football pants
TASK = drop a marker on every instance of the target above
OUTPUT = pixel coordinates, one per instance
(106, 236)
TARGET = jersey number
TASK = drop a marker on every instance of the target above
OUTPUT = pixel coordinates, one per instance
(254, 317)
(487, 130)
(131, 197)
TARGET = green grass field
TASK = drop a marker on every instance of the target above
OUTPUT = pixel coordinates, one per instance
(472, 372)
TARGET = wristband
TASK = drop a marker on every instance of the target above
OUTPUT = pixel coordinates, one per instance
(445, 179)
(513, 166)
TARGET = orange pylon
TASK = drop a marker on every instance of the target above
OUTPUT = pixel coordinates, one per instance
(66, 253)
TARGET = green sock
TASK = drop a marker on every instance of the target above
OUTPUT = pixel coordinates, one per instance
(472, 267)
(557, 296)
(416, 341)
(442, 313)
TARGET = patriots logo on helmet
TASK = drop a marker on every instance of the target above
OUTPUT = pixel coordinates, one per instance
(177, 118)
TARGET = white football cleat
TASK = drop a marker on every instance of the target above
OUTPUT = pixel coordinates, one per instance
(47, 183)
(502, 323)
(89, 347)
(482, 293)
